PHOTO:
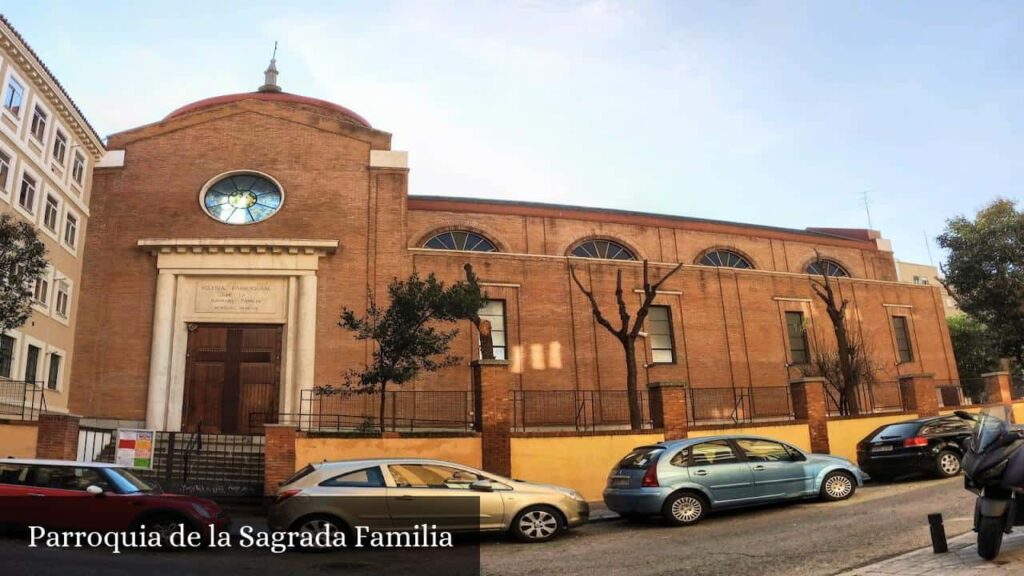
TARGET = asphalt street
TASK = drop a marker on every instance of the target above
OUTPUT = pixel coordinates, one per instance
(804, 539)
(807, 538)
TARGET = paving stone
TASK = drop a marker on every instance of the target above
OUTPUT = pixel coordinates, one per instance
(961, 560)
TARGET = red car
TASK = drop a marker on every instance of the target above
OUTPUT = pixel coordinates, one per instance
(92, 496)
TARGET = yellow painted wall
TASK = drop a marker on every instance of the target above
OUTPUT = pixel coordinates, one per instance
(843, 435)
(580, 462)
(798, 435)
(18, 440)
(1018, 412)
(461, 450)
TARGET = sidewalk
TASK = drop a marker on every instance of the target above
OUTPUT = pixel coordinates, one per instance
(961, 560)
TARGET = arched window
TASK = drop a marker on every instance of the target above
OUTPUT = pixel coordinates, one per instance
(605, 249)
(724, 258)
(460, 240)
(829, 267)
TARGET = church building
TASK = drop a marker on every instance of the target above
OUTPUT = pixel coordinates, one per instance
(226, 238)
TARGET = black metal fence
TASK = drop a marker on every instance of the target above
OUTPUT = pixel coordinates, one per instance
(579, 410)
(1017, 387)
(954, 393)
(21, 399)
(878, 397)
(736, 405)
(223, 466)
(335, 410)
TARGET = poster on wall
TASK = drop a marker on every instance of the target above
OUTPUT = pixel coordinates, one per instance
(135, 448)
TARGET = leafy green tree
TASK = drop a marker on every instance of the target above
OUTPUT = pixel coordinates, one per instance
(985, 272)
(975, 350)
(22, 260)
(411, 334)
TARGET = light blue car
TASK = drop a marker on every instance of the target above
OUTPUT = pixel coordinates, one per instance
(683, 480)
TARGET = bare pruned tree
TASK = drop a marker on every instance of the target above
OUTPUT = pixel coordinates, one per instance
(826, 364)
(628, 330)
(848, 367)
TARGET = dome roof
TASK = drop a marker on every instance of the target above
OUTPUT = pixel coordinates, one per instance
(272, 96)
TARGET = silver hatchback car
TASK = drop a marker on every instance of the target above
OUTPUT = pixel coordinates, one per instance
(683, 480)
(399, 493)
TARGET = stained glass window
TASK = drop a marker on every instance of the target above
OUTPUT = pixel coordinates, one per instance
(724, 258)
(460, 240)
(242, 199)
(605, 249)
(830, 268)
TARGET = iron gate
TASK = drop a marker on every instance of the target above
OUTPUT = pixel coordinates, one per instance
(218, 466)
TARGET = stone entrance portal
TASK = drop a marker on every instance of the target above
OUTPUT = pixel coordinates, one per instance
(234, 330)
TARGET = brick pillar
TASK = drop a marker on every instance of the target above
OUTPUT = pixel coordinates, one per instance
(809, 405)
(58, 436)
(279, 455)
(997, 388)
(491, 387)
(919, 395)
(668, 408)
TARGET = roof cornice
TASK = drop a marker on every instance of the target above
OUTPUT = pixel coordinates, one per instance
(14, 44)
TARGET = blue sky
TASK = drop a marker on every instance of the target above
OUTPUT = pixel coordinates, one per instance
(779, 113)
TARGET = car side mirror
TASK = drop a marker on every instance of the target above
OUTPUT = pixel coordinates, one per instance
(94, 490)
(797, 457)
(482, 486)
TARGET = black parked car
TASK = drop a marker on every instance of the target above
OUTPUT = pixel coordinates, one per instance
(931, 446)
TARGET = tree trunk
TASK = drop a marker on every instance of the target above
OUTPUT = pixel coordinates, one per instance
(383, 407)
(850, 379)
(635, 414)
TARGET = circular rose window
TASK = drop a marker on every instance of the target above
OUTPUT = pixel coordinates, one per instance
(242, 198)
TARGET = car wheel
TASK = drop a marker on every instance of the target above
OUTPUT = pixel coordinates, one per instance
(536, 524)
(316, 523)
(685, 508)
(947, 464)
(838, 486)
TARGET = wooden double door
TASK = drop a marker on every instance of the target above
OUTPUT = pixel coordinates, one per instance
(233, 371)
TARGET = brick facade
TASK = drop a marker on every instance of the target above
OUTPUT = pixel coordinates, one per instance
(728, 324)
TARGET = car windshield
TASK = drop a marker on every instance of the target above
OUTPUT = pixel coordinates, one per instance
(993, 422)
(897, 431)
(641, 458)
(127, 482)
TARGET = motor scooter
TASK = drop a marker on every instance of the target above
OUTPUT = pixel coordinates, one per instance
(993, 468)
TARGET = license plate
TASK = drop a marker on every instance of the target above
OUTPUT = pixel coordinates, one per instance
(881, 448)
(620, 482)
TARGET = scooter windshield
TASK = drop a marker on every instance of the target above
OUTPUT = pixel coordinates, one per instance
(992, 424)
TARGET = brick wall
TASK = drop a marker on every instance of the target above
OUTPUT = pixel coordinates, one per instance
(57, 437)
(279, 455)
(728, 325)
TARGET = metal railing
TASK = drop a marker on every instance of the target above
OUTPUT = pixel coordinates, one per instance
(578, 410)
(735, 405)
(96, 444)
(874, 398)
(954, 393)
(1017, 387)
(336, 410)
(21, 399)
